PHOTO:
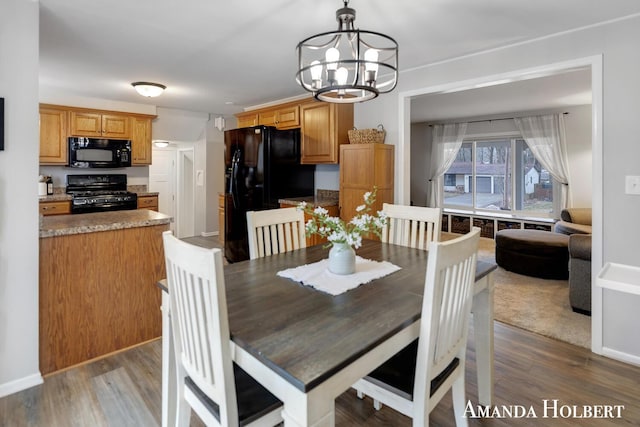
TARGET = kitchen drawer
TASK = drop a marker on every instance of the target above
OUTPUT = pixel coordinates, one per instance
(148, 202)
(55, 208)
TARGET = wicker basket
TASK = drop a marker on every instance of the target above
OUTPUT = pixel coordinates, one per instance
(367, 136)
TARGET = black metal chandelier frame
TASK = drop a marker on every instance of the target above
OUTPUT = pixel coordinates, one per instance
(368, 59)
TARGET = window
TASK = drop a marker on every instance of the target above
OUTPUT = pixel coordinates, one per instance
(498, 174)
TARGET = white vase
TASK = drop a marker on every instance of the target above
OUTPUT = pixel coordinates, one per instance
(342, 259)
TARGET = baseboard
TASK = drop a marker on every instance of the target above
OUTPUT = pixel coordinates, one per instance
(621, 356)
(20, 384)
(209, 233)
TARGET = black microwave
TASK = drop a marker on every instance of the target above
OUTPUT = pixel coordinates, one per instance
(99, 153)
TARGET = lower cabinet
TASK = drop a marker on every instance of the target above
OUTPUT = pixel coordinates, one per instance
(148, 202)
(59, 207)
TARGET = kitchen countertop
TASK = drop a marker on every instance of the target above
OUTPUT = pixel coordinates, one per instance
(312, 200)
(63, 225)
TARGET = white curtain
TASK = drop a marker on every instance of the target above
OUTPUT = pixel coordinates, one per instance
(447, 140)
(545, 136)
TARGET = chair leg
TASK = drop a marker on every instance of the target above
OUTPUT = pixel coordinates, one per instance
(377, 405)
(459, 404)
(183, 413)
(360, 394)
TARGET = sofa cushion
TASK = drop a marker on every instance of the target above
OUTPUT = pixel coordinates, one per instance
(577, 215)
(565, 227)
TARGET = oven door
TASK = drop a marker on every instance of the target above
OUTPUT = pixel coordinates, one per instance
(103, 203)
(99, 153)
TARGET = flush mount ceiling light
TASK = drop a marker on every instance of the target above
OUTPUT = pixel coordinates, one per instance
(148, 89)
(347, 65)
(160, 143)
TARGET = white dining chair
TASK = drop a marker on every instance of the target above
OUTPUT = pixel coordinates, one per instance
(219, 391)
(413, 226)
(414, 380)
(275, 231)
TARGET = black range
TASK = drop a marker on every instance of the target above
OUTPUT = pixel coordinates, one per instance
(99, 193)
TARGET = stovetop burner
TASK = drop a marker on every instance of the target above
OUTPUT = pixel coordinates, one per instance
(97, 193)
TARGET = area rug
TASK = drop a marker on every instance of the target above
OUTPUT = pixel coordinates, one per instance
(536, 305)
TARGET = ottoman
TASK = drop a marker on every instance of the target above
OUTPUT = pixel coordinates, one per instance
(533, 253)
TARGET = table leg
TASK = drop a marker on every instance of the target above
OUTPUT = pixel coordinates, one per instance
(320, 413)
(483, 330)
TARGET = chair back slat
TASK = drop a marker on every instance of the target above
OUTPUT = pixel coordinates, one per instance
(448, 296)
(275, 231)
(412, 226)
(199, 320)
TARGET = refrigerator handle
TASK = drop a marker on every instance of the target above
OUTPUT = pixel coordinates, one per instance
(233, 186)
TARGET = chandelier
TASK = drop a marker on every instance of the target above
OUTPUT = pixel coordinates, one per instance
(347, 65)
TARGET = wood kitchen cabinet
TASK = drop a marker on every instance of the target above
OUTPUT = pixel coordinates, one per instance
(246, 120)
(148, 202)
(221, 200)
(58, 207)
(324, 128)
(140, 141)
(285, 117)
(53, 135)
(96, 124)
(363, 166)
(58, 122)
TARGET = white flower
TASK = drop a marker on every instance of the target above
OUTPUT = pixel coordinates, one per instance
(367, 195)
(361, 208)
(320, 211)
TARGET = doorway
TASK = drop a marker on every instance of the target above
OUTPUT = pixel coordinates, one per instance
(595, 65)
(185, 183)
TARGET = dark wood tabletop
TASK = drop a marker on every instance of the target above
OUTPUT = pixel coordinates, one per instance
(306, 335)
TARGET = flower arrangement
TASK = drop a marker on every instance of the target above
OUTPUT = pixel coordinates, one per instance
(337, 231)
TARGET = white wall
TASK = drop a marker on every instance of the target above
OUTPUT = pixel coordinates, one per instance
(617, 43)
(420, 161)
(215, 175)
(18, 197)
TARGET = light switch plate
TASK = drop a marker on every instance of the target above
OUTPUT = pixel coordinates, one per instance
(632, 184)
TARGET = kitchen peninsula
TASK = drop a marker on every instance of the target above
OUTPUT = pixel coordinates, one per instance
(98, 274)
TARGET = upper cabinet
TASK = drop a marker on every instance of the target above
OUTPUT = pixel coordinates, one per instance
(58, 122)
(246, 120)
(285, 117)
(140, 141)
(53, 135)
(323, 126)
(323, 129)
(95, 124)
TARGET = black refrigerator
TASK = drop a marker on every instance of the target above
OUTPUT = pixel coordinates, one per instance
(262, 166)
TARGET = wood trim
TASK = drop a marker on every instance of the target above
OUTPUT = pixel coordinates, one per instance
(96, 111)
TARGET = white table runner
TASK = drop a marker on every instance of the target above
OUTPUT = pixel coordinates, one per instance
(318, 276)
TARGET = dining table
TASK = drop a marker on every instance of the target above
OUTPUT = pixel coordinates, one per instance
(307, 347)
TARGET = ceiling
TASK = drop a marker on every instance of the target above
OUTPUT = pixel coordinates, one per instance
(221, 57)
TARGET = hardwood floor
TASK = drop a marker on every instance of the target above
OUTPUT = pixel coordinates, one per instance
(124, 389)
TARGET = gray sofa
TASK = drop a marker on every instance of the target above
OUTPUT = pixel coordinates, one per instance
(576, 222)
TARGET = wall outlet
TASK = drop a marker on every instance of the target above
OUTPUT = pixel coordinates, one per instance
(632, 184)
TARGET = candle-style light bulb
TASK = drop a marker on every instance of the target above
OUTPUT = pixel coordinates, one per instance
(316, 70)
(332, 56)
(341, 75)
(370, 66)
